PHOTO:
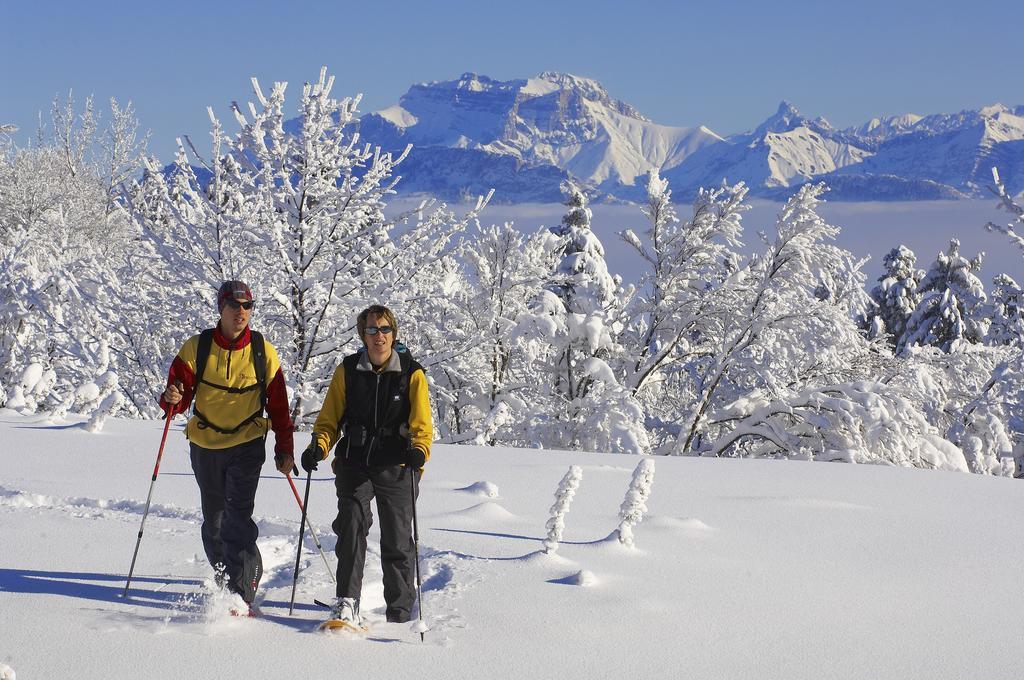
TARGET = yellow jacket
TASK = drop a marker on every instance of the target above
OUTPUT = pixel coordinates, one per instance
(230, 365)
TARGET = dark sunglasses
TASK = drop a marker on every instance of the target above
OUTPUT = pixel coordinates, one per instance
(373, 330)
(235, 304)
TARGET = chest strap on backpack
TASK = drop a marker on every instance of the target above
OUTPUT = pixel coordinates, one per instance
(231, 390)
(259, 360)
(359, 435)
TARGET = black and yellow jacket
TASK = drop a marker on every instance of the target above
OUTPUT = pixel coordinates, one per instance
(374, 414)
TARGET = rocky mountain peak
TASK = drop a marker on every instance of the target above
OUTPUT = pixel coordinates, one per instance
(588, 89)
(785, 119)
(994, 110)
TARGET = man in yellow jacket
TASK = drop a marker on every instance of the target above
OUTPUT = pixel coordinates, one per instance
(227, 431)
(377, 412)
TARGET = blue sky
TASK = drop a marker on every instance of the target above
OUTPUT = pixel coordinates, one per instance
(726, 65)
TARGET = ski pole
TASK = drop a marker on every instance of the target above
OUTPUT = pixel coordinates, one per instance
(145, 513)
(309, 523)
(416, 545)
(298, 551)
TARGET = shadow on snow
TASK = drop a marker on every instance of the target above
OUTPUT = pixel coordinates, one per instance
(109, 588)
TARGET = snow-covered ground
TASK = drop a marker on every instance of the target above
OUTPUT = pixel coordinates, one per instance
(742, 569)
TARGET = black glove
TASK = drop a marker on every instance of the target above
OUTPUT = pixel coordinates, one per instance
(312, 456)
(415, 458)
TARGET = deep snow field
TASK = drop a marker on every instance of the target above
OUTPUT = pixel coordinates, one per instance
(742, 569)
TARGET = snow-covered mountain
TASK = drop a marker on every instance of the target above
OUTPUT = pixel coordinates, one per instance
(884, 128)
(784, 151)
(908, 157)
(471, 132)
(523, 137)
(957, 151)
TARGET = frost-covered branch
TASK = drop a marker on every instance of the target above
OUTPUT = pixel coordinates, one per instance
(1007, 203)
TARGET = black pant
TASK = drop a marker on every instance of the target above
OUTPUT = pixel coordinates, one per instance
(227, 488)
(394, 486)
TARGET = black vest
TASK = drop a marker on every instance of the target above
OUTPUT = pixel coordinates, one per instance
(376, 420)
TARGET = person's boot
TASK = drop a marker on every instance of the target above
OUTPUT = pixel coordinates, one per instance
(346, 609)
(220, 576)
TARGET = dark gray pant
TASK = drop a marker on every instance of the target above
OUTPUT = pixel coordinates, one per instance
(394, 487)
(227, 489)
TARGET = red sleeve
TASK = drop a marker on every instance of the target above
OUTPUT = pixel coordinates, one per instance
(280, 414)
(180, 371)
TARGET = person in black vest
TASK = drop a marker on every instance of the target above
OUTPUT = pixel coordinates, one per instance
(377, 412)
(234, 376)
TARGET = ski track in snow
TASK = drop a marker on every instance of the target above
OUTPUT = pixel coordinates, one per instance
(277, 548)
(446, 575)
(104, 507)
(99, 507)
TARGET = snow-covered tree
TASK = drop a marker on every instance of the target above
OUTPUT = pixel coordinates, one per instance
(896, 295)
(770, 328)
(445, 311)
(563, 499)
(582, 280)
(434, 319)
(1007, 312)
(950, 312)
(1003, 398)
(63, 237)
(31, 388)
(862, 422)
(21, 335)
(109, 154)
(295, 207)
(959, 394)
(109, 400)
(580, 400)
(1007, 203)
(485, 366)
(634, 505)
(1004, 392)
(687, 262)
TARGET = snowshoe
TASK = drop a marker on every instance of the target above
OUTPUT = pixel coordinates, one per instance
(344, 616)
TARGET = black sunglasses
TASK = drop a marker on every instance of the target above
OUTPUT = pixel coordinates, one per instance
(373, 330)
(235, 304)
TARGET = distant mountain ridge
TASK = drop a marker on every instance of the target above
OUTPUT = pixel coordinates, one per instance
(537, 128)
(522, 137)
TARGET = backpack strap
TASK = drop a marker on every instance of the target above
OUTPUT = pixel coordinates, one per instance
(202, 354)
(349, 363)
(406, 360)
(259, 364)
